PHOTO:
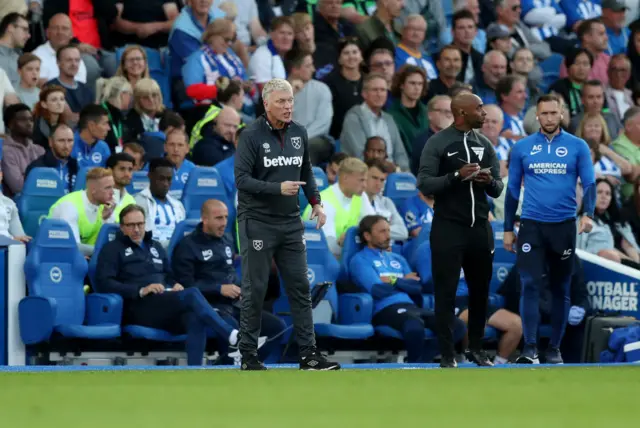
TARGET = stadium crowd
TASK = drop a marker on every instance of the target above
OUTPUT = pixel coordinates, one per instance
(103, 90)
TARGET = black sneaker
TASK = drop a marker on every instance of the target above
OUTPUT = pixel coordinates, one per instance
(553, 356)
(315, 361)
(252, 363)
(448, 363)
(529, 355)
(479, 358)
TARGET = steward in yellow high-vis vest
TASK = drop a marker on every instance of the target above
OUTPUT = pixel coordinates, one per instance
(209, 116)
(87, 210)
(345, 203)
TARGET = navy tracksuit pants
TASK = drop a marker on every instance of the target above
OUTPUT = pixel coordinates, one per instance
(179, 312)
(545, 248)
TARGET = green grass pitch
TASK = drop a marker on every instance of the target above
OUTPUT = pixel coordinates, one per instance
(542, 398)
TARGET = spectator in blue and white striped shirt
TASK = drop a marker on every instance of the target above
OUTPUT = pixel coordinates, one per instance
(546, 21)
(491, 129)
(511, 93)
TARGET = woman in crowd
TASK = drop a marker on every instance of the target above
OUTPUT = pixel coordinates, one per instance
(148, 107)
(345, 82)
(611, 236)
(48, 112)
(213, 60)
(231, 94)
(133, 65)
(606, 162)
(115, 96)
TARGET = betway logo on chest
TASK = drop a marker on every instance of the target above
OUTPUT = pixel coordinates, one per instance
(282, 161)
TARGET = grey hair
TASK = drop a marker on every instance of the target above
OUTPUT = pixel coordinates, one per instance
(111, 89)
(413, 17)
(630, 114)
(499, 3)
(274, 85)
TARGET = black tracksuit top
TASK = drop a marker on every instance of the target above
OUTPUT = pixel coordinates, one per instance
(265, 158)
(445, 153)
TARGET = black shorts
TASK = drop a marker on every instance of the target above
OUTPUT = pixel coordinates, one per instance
(462, 304)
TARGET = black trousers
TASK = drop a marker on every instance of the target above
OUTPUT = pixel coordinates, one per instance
(260, 243)
(455, 246)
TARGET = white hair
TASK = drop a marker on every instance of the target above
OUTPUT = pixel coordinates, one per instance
(414, 17)
(274, 85)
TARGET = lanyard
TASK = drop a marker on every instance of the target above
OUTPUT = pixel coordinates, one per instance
(117, 130)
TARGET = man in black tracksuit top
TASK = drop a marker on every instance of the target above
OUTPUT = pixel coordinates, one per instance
(461, 236)
(204, 260)
(272, 163)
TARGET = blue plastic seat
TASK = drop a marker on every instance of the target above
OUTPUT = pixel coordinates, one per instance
(139, 181)
(205, 183)
(501, 255)
(81, 178)
(350, 247)
(107, 234)
(322, 182)
(182, 229)
(400, 186)
(42, 188)
(54, 271)
(346, 316)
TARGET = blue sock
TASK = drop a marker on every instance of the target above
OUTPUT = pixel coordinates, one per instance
(196, 340)
(413, 335)
(561, 304)
(194, 299)
(530, 309)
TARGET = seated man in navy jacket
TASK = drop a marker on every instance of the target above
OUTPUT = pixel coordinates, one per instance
(204, 260)
(136, 267)
(388, 277)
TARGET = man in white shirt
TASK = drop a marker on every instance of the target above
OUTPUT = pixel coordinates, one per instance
(376, 177)
(266, 62)
(345, 203)
(59, 34)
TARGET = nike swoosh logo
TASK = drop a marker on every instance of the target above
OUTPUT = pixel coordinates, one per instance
(451, 154)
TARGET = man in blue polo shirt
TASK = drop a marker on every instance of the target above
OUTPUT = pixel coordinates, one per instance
(89, 148)
(176, 148)
(394, 287)
(550, 163)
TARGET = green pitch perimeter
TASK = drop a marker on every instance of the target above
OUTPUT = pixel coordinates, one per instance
(540, 398)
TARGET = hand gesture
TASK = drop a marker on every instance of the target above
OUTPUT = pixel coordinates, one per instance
(586, 224)
(412, 275)
(291, 188)
(509, 241)
(152, 289)
(483, 178)
(468, 169)
(318, 212)
(177, 287)
(231, 291)
(23, 238)
(108, 210)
